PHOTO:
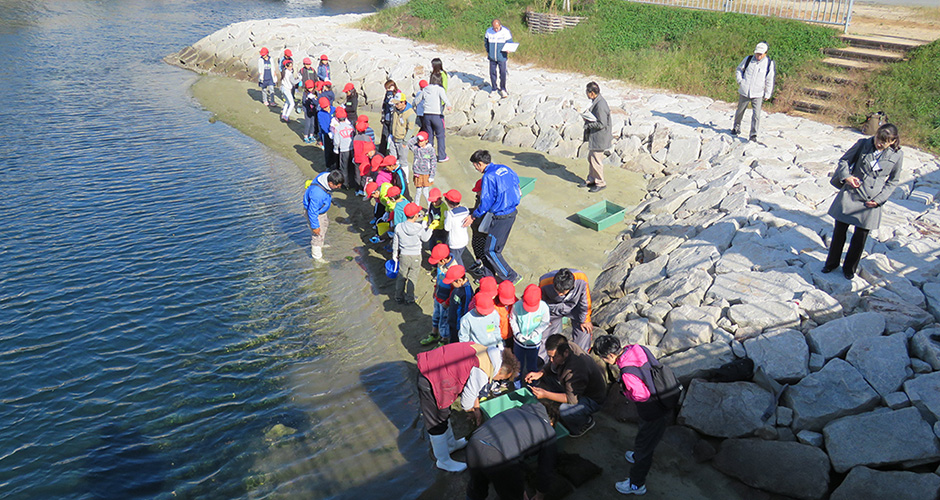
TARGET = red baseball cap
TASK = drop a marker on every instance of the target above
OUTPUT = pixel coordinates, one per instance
(531, 298)
(434, 194)
(422, 84)
(438, 253)
(307, 60)
(324, 102)
(411, 209)
(422, 136)
(341, 113)
(327, 82)
(324, 58)
(376, 162)
(361, 127)
(453, 196)
(478, 186)
(485, 304)
(363, 118)
(389, 161)
(288, 53)
(454, 273)
(506, 292)
(393, 192)
(348, 87)
(488, 286)
(370, 188)
(309, 84)
(264, 51)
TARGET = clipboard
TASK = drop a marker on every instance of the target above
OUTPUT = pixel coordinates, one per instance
(510, 47)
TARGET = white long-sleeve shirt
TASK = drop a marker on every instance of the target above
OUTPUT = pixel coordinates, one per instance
(757, 78)
(478, 379)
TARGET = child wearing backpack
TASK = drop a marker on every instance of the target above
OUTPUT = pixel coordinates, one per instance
(654, 389)
(457, 237)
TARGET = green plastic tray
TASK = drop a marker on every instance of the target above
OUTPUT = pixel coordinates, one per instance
(601, 215)
(519, 397)
(526, 185)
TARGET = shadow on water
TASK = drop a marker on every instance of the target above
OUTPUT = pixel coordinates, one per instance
(126, 464)
(539, 161)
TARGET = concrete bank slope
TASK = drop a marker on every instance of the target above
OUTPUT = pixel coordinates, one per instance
(721, 260)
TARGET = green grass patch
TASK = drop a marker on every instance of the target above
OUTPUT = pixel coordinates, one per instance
(909, 92)
(684, 50)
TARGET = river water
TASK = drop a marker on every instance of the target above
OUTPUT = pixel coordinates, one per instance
(162, 332)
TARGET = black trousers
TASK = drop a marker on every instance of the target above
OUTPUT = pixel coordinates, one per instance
(493, 261)
(854, 255)
(652, 427)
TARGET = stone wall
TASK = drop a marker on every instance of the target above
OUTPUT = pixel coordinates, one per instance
(722, 260)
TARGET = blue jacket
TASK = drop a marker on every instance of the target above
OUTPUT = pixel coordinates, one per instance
(329, 95)
(317, 199)
(398, 215)
(459, 305)
(324, 118)
(500, 192)
(495, 41)
(323, 72)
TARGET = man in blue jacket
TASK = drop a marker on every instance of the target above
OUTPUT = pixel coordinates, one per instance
(499, 197)
(317, 200)
(495, 42)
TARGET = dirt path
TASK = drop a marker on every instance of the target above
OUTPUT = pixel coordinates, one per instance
(919, 23)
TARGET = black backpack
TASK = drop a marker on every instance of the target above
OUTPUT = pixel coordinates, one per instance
(662, 383)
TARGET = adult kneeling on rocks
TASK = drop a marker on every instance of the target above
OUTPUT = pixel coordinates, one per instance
(463, 370)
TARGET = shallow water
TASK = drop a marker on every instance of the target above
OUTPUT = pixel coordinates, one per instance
(162, 333)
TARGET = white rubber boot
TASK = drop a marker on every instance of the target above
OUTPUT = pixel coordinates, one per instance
(441, 453)
(454, 444)
(317, 254)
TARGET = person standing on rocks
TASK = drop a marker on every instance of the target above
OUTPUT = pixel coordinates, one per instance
(317, 200)
(598, 135)
(495, 42)
(267, 77)
(403, 129)
(755, 76)
(636, 365)
(568, 295)
(434, 101)
(499, 197)
(867, 173)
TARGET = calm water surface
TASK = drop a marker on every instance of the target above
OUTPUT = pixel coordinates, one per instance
(162, 333)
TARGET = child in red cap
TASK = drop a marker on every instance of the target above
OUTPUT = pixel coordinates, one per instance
(310, 106)
(425, 164)
(327, 91)
(457, 237)
(393, 167)
(481, 324)
(288, 81)
(528, 321)
(505, 298)
(419, 104)
(436, 212)
(341, 133)
(440, 258)
(459, 302)
(267, 77)
(363, 150)
(307, 72)
(323, 70)
(477, 239)
(352, 103)
(324, 120)
(365, 119)
(406, 251)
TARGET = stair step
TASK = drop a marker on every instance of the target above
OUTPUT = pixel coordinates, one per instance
(834, 78)
(850, 64)
(822, 92)
(883, 42)
(860, 54)
(803, 114)
(811, 105)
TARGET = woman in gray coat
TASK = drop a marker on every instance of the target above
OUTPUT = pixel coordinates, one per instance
(866, 176)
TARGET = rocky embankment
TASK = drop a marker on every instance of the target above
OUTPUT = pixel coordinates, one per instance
(721, 261)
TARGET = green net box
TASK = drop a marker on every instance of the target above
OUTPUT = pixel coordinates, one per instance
(601, 215)
(526, 185)
(519, 397)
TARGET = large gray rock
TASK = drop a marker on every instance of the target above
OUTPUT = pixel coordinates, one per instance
(835, 391)
(704, 200)
(924, 393)
(665, 241)
(679, 290)
(689, 326)
(783, 354)
(760, 316)
(835, 337)
(786, 468)
(932, 292)
(693, 254)
(611, 313)
(547, 139)
(898, 314)
(820, 307)
(880, 438)
(883, 361)
(863, 482)
(635, 331)
(610, 281)
(699, 360)
(669, 204)
(750, 287)
(682, 150)
(727, 410)
(752, 256)
(646, 274)
(519, 137)
(925, 344)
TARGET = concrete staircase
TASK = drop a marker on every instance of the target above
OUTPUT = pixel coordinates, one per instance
(849, 66)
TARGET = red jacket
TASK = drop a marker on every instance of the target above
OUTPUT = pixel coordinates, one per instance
(448, 369)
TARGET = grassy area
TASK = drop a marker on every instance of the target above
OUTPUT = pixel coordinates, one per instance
(683, 50)
(909, 93)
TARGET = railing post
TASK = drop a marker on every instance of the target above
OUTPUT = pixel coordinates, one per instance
(848, 17)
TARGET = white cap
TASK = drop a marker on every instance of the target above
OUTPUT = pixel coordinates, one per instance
(761, 48)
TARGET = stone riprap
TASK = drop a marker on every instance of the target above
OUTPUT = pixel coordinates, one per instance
(721, 259)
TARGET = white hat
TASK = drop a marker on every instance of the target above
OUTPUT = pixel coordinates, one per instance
(761, 48)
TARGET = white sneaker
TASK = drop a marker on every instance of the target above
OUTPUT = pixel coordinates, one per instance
(629, 456)
(630, 489)
(503, 94)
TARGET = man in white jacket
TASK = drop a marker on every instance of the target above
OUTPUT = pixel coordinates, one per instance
(755, 76)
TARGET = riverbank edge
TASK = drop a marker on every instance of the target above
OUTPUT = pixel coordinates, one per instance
(711, 179)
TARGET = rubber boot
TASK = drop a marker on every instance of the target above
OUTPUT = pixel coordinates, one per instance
(441, 453)
(317, 254)
(454, 444)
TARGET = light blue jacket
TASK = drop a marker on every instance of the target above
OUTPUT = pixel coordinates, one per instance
(317, 199)
(495, 41)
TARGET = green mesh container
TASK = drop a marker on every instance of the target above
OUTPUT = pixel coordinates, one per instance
(526, 185)
(601, 215)
(519, 397)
